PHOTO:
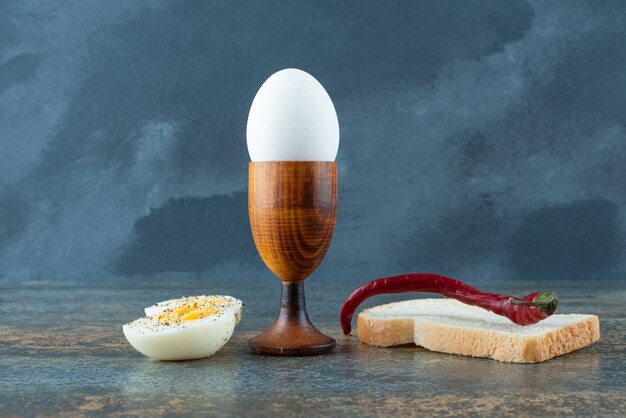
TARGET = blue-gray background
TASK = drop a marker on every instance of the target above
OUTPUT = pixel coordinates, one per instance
(478, 138)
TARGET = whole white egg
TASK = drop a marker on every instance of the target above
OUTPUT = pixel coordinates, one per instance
(292, 118)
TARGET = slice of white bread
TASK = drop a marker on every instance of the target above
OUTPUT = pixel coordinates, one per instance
(449, 326)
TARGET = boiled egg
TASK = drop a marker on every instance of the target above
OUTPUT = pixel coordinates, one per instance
(186, 328)
(292, 118)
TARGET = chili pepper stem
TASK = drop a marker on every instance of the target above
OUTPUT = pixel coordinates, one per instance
(545, 302)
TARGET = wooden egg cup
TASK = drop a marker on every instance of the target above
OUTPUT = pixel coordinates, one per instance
(292, 206)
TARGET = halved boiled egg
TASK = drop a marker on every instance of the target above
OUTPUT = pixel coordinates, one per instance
(186, 328)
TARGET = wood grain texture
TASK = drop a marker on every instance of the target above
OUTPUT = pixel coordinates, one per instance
(292, 207)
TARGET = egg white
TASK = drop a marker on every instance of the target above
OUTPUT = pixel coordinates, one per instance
(183, 340)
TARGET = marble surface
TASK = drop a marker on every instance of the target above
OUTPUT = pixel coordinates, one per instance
(62, 352)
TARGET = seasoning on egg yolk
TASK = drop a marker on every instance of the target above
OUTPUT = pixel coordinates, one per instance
(192, 308)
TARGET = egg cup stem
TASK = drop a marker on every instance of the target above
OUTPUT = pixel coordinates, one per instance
(292, 207)
(292, 334)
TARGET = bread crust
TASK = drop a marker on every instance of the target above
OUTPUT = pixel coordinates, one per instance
(446, 338)
(385, 332)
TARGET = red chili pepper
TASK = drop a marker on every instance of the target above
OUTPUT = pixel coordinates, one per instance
(525, 311)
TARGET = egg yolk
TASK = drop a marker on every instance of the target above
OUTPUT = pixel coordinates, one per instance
(192, 308)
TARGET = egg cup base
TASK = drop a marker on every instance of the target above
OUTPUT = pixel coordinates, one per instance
(292, 334)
